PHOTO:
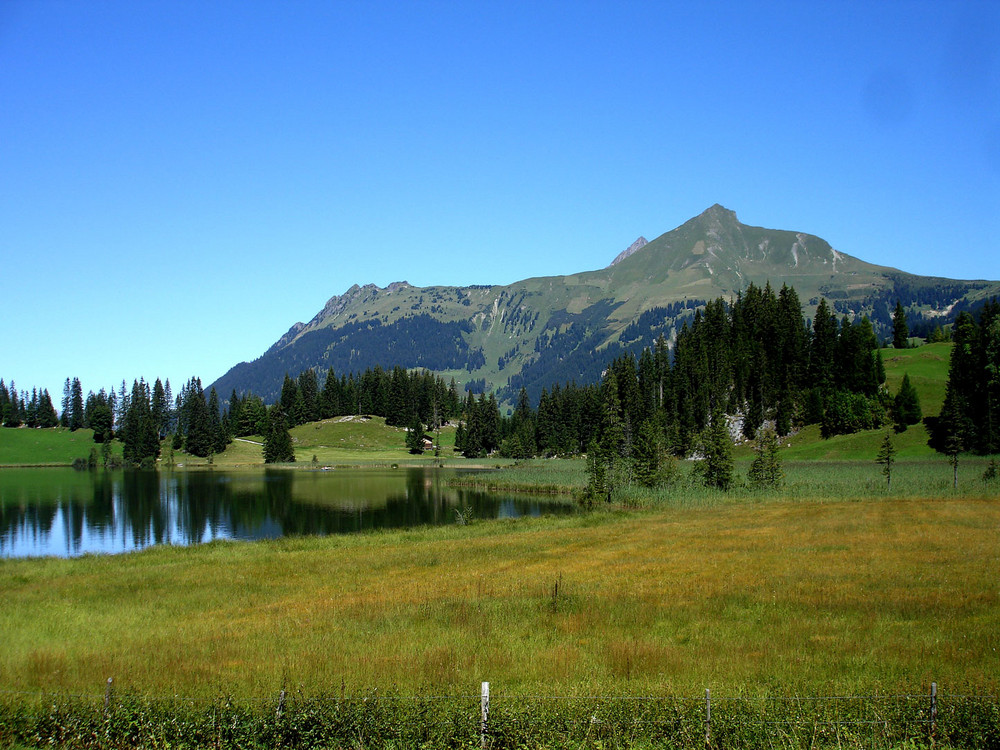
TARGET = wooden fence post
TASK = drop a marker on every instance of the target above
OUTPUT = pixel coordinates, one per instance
(933, 712)
(708, 717)
(484, 714)
(107, 696)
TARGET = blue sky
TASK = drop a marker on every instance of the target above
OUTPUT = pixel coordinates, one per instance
(182, 181)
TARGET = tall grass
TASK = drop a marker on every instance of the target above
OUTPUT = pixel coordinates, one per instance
(539, 475)
(772, 596)
(378, 720)
(804, 480)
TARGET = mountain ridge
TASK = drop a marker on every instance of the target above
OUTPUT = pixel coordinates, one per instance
(542, 330)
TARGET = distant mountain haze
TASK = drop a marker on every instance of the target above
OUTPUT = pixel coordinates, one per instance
(540, 331)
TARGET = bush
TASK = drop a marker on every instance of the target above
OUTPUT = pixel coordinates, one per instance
(845, 413)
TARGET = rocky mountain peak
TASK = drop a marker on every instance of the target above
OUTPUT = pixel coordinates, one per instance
(719, 213)
(637, 245)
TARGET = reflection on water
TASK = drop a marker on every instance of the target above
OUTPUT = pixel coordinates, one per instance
(65, 513)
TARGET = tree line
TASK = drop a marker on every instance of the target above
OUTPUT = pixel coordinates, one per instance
(747, 363)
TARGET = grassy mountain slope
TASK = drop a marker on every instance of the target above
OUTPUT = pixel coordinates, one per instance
(543, 330)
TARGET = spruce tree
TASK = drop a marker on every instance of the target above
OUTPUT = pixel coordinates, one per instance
(900, 331)
(717, 465)
(101, 421)
(13, 414)
(47, 416)
(615, 446)
(218, 438)
(309, 388)
(822, 349)
(66, 401)
(886, 457)
(76, 420)
(31, 412)
(278, 441)
(159, 408)
(649, 454)
(906, 405)
(197, 423)
(139, 438)
(290, 400)
(765, 469)
(415, 436)
(597, 486)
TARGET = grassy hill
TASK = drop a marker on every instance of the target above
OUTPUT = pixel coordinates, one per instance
(339, 441)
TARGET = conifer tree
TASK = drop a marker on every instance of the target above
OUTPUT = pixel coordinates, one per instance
(886, 457)
(648, 455)
(415, 436)
(906, 405)
(597, 486)
(900, 331)
(168, 397)
(76, 420)
(955, 429)
(139, 438)
(101, 420)
(717, 465)
(196, 425)
(824, 342)
(31, 412)
(291, 400)
(67, 400)
(47, 416)
(13, 414)
(159, 408)
(765, 469)
(309, 388)
(398, 411)
(218, 438)
(4, 401)
(953, 432)
(278, 441)
(615, 447)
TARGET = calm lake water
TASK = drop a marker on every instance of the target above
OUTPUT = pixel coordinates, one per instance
(63, 512)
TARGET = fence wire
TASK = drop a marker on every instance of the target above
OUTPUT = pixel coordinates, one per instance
(376, 719)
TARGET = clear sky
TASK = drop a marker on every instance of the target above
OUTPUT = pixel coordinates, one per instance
(182, 181)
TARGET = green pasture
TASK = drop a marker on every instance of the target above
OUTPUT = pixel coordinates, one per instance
(743, 596)
(927, 366)
(51, 447)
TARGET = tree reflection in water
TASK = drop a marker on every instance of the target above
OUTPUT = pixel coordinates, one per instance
(66, 513)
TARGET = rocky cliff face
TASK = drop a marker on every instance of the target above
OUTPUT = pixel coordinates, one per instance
(637, 245)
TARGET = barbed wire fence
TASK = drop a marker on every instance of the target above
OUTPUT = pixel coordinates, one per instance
(500, 720)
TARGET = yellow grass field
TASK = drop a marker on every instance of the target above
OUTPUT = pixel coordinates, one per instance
(804, 597)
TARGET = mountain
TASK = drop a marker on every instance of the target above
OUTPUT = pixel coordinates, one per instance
(540, 331)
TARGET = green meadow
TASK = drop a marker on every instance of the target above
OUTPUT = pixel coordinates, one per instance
(51, 447)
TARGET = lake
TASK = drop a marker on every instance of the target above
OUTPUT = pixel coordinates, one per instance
(65, 513)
